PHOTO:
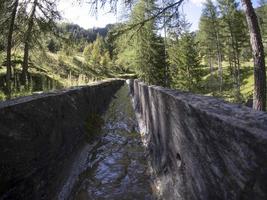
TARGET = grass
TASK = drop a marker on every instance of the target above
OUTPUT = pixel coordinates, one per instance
(66, 70)
(210, 85)
(73, 70)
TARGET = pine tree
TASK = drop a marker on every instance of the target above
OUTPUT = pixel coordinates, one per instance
(150, 58)
(211, 38)
(41, 19)
(27, 41)
(184, 61)
(236, 37)
(14, 8)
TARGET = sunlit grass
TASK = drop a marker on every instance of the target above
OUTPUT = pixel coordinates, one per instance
(67, 70)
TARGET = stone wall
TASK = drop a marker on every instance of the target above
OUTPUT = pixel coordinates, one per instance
(202, 147)
(39, 133)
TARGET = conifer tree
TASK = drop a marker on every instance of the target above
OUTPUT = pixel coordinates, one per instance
(184, 58)
(97, 54)
(11, 21)
(236, 38)
(41, 19)
(149, 50)
(210, 37)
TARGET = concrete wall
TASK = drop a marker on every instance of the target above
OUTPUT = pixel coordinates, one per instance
(38, 134)
(202, 147)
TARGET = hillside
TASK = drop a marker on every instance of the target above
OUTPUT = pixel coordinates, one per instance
(60, 62)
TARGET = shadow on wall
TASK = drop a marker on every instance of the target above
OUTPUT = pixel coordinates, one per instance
(202, 147)
(39, 133)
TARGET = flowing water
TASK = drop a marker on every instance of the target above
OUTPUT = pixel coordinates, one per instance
(114, 166)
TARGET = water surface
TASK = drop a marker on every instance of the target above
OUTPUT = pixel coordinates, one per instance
(114, 166)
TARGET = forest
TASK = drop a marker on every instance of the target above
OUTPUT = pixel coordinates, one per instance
(223, 58)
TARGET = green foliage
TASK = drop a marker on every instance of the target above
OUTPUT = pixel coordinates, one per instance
(1, 58)
(224, 37)
(88, 51)
(262, 17)
(145, 49)
(2, 43)
(105, 60)
(97, 54)
(209, 35)
(184, 59)
(53, 45)
(124, 53)
(74, 56)
(77, 33)
(234, 29)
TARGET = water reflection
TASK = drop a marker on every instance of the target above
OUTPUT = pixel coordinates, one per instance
(114, 166)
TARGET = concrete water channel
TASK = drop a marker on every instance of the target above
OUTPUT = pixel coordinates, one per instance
(113, 165)
(84, 143)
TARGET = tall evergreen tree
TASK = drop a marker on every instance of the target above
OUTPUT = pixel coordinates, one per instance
(41, 19)
(14, 8)
(97, 53)
(211, 37)
(184, 61)
(235, 39)
(148, 48)
(27, 41)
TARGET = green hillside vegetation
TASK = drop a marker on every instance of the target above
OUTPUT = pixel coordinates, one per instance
(76, 57)
(209, 85)
(155, 44)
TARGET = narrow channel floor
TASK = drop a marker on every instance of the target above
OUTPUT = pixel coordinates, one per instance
(114, 167)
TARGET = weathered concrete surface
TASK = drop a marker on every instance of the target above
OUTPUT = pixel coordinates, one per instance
(39, 133)
(202, 147)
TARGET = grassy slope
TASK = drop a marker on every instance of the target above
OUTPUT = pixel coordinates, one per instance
(66, 70)
(71, 70)
(247, 82)
(74, 70)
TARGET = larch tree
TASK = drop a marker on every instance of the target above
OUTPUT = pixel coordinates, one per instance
(14, 8)
(211, 37)
(27, 41)
(40, 19)
(235, 38)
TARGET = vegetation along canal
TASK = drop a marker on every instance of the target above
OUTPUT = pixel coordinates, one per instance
(113, 166)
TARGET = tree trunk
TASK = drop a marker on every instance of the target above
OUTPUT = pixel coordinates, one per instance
(259, 100)
(9, 48)
(211, 66)
(27, 41)
(219, 59)
(220, 70)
